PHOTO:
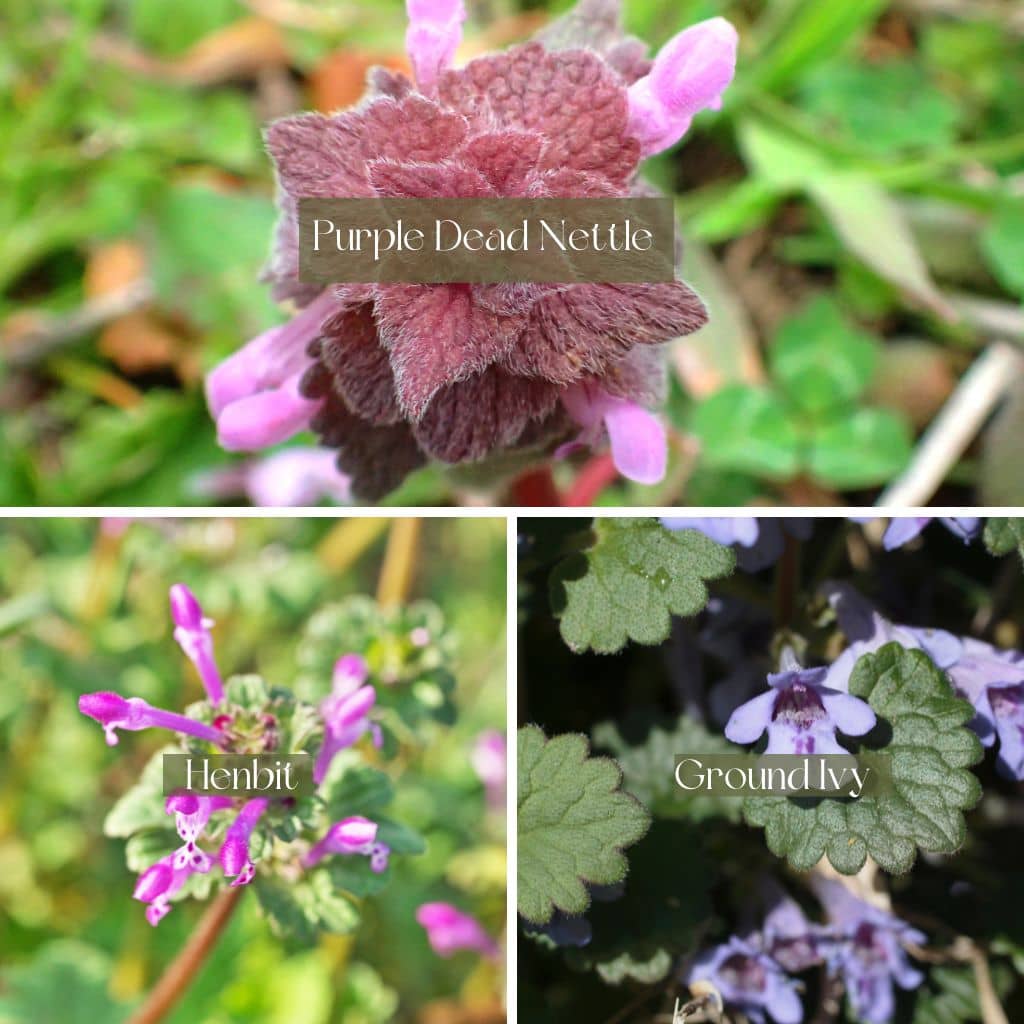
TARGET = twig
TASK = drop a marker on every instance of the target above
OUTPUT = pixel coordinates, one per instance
(176, 979)
(980, 390)
(54, 332)
(990, 316)
(399, 563)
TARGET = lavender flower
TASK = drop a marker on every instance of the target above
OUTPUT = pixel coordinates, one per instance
(740, 530)
(450, 930)
(867, 951)
(351, 836)
(192, 631)
(490, 760)
(234, 853)
(758, 542)
(395, 375)
(904, 529)
(346, 717)
(800, 713)
(115, 712)
(749, 980)
(788, 937)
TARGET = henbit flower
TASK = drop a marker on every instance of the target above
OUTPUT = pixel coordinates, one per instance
(346, 718)
(450, 930)
(192, 632)
(191, 814)
(351, 836)
(903, 529)
(868, 951)
(490, 761)
(689, 75)
(158, 883)
(800, 713)
(234, 852)
(750, 980)
(115, 712)
(396, 374)
(350, 672)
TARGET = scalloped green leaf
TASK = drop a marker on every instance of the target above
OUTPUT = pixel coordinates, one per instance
(631, 581)
(1004, 534)
(573, 823)
(931, 750)
(638, 936)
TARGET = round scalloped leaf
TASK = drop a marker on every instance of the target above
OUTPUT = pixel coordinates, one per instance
(930, 747)
(1004, 534)
(573, 823)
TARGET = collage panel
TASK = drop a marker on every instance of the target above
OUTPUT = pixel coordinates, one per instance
(779, 777)
(253, 770)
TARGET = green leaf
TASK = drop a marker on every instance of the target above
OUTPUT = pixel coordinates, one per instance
(573, 823)
(950, 995)
(820, 360)
(631, 581)
(747, 429)
(931, 749)
(1002, 243)
(142, 806)
(639, 935)
(647, 768)
(1003, 535)
(869, 447)
(299, 910)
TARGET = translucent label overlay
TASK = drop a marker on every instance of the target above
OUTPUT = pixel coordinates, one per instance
(244, 775)
(851, 776)
(486, 241)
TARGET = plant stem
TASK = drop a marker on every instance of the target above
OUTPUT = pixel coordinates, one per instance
(186, 965)
(399, 563)
(535, 488)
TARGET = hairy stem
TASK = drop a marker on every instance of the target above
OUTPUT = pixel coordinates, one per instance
(187, 964)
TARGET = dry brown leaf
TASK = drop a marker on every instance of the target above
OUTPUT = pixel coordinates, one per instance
(113, 266)
(235, 51)
(914, 377)
(339, 80)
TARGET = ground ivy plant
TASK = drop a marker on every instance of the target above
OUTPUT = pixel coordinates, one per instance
(690, 636)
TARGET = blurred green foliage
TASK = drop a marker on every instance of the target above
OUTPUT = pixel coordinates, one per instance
(870, 151)
(83, 606)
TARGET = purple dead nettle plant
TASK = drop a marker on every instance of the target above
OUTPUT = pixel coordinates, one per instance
(395, 375)
(286, 835)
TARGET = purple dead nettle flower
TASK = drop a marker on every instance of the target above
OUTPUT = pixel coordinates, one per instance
(867, 951)
(349, 837)
(346, 712)
(990, 678)
(449, 930)
(393, 375)
(800, 713)
(490, 761)
(290, 478)
(748, 979)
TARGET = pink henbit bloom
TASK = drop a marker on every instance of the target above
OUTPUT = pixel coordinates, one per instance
(234, 853)
(157, 884)
(191, 815)
(449, 930)
(115, 712)
(192, 631)
(394, 375)
(346, 715)
(351, 836)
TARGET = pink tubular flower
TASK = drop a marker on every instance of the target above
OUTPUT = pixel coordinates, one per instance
(234, 853)
(350, 672)
(637, 437)
(433, 36)
(393, 376)
(191, 814)
(449, 930)
(254, 394)
(689, 74)
(192, 632)
(490, 760)
(157, 884)
(351, 836)
(346, 719)
(115, 712)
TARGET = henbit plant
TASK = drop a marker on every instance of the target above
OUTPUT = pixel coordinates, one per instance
(394, 375)
(633, 905)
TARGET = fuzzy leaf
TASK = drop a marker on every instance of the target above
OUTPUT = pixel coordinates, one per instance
(931, 749)
(631, 581)
(142, 806)
(950, 995)
(666, 900)
(1003, 535)
(574, 822)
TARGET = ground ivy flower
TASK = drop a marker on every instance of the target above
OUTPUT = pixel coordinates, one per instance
(758, 542)
(450, 930)
(867, 951)
(800, 713)
(395, 375)
(903, 529)
(749, 980)
(115, 712)
(192, 631)
(351, 836)
(234, 853)
(346, 718)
